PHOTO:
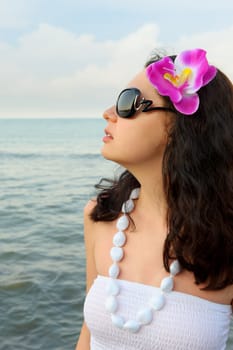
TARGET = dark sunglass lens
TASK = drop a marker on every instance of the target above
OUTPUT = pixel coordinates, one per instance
(125, 103)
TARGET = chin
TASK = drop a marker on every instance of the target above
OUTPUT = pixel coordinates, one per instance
(109, 156)
(106, 154)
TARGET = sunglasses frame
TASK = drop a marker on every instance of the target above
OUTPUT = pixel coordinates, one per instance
(143, 104)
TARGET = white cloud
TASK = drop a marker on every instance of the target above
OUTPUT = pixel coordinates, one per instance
(53, 72)
(218, 45)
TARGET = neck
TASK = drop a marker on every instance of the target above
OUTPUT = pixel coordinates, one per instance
(152, 197)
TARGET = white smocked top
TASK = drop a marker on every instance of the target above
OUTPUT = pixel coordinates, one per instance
(186, 322)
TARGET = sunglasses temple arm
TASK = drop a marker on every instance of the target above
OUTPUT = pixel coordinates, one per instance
(147, 107)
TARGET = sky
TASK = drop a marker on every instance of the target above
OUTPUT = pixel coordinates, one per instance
(71, 58)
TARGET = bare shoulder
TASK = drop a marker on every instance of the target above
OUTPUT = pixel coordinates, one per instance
(231, 294)
(227, 294)
(89, 238)
(90, 205)
(89, 224)
(98, 237)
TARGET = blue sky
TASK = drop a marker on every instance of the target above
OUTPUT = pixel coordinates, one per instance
(67, 58)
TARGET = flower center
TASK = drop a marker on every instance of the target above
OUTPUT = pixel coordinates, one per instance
(179, 80)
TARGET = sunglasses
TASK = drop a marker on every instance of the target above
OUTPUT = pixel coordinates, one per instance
(129, 102)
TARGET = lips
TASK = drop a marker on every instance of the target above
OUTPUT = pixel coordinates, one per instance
(108, 134)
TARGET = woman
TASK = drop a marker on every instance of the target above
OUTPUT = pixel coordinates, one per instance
(159, 240)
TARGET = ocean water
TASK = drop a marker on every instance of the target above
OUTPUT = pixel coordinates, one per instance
(47, 172)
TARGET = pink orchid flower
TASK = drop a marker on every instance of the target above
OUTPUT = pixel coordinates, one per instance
(181, 79)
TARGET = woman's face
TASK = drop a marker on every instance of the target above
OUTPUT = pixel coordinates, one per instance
(142, 138)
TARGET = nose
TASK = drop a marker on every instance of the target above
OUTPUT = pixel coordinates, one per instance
(110, 114)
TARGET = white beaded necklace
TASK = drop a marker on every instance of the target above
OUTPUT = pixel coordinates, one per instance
(145, 315)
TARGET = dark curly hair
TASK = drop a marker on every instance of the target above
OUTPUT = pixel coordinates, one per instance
(198, 184)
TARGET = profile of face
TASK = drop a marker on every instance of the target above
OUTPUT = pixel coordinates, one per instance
(141, 138)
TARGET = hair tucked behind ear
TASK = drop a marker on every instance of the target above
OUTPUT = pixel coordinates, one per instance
(198, 183)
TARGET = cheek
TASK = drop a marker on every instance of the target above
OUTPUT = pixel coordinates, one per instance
(151, 135)
(149, 144)
(142, 143)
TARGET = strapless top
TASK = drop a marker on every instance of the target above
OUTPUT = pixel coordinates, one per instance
(186, 322)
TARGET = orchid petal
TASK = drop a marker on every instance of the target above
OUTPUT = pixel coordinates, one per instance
(210, 74)
(190, 58)
(203, 73)
(181, 79)
(188, 105)
(201, 78)
(155, 74)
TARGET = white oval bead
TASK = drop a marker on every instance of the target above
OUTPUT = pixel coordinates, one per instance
(116, 253)
(167, 284)
(145, 316)
(122, 223)
(114, 271)
(119, 239)
(132, 326)
(111, 304)
(135, 193)
(118, 321)
(128, 206)
(175, 268)
(113, 287)
(157, 302)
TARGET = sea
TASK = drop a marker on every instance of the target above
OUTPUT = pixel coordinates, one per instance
(48, 169)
